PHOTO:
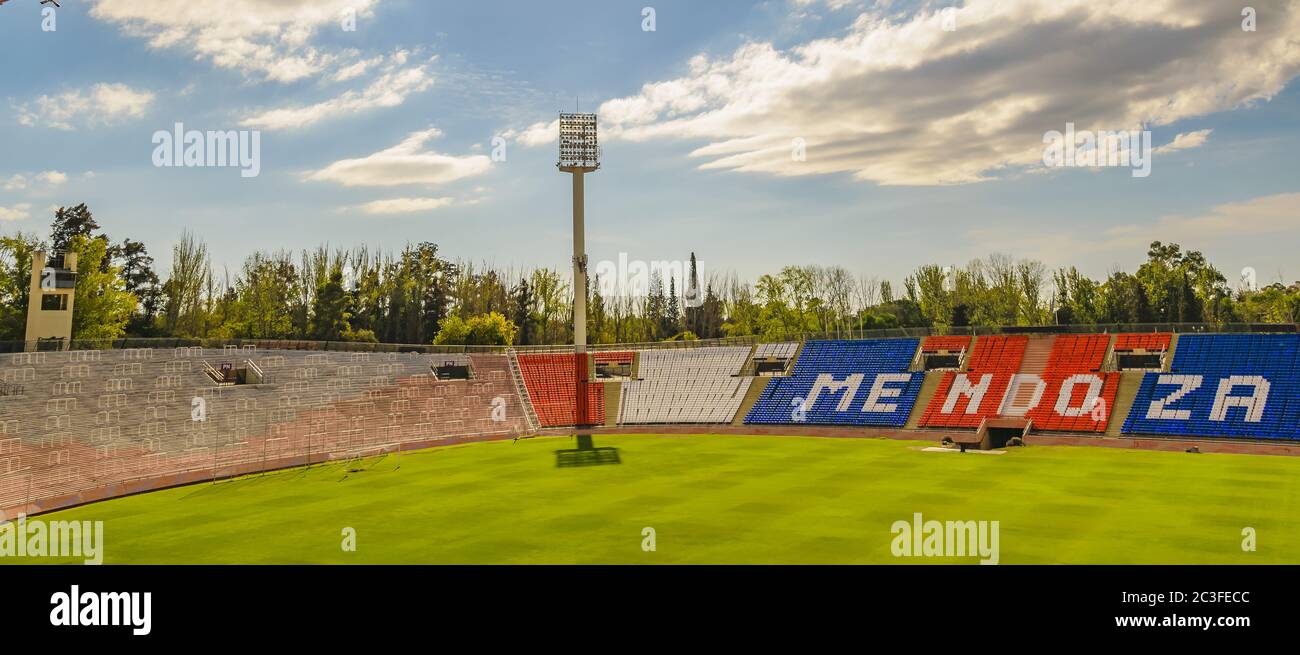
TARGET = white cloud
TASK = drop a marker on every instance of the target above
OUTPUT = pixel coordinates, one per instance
(900, 101)
(833, 5)
(403, 205)
(16, 213)
(537, 134)
(357, 69)
(1275, 214)
(102, 104)
(1186, 141)
(266, 38)
(407, 163)
(53, 178)
(1264, 216)
(21, 182)
(390, 89)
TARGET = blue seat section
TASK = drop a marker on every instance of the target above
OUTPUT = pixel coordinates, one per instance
(1209, 360)
(781, 400)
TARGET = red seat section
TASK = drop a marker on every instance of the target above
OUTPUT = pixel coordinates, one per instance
(620, 357)
(993, 362)
(1078, 353)
(1076, 397)
(552, 387)
(1152, 342)
(950, 344)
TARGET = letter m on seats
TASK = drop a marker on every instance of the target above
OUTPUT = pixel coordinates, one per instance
(974, 393)
(826, 382)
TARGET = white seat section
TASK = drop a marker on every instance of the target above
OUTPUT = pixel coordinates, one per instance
(784, 350)
(74, 421)
(699, 385)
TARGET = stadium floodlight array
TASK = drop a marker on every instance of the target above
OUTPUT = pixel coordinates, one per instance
(579, 147)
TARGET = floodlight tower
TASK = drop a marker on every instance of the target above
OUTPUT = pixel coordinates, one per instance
(579, 155)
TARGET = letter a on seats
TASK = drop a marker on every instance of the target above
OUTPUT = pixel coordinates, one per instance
(1254, 403)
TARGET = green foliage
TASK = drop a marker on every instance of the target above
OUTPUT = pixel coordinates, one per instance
(331, 310)
(70, 222)
(102, 305)
(491, 329)
(140, 279)
(15, 284)
(417, 296)
(361, 336)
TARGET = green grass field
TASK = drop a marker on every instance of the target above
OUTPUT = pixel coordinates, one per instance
(720, 499)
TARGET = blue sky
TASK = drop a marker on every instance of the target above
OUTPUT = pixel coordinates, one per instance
(923, 143)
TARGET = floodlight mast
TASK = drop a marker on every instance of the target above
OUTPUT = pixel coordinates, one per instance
(579, 155)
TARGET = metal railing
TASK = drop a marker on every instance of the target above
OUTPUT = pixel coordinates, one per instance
(256, 371)
(887, 333)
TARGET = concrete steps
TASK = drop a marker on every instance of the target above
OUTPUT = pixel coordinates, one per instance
(1129, 382)
(1037, 353)
(928, 388)
(755, 390)
(613, 395)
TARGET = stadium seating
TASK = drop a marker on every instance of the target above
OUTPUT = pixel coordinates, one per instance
(992, 363)
(844, 383)
(783, 350)
(551, 381)
(1223, 385)
(1078, 396)
(83, 425)
(1151, 341)
(94, 424)
(700, 385)
(615, 357)
(1065, 391)
(950, 344)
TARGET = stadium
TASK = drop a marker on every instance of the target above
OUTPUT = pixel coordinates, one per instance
(1116, 447)
(324, 319)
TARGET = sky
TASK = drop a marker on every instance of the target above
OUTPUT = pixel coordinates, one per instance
(877, 136)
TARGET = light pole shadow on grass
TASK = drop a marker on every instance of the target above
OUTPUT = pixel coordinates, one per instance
(586, 454)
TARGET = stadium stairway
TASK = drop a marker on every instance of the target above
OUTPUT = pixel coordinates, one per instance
(1037, 353)
(1129, 382)
(613, 398)
(928, 387)
(755, 391)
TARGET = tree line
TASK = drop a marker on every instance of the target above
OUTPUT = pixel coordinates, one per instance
(419, 296)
